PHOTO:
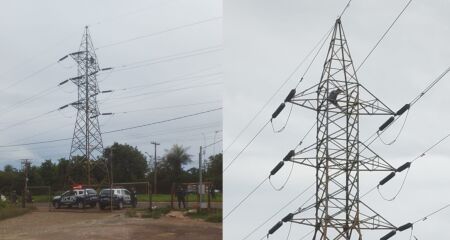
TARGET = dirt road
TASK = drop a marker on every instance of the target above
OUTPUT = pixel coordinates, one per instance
(103, 225)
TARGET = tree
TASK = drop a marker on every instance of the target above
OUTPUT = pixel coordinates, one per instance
(214, 170)
(174, 160)
(129, 164)
(48, 172)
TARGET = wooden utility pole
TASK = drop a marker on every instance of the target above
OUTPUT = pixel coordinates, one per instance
(26, 166)
(200, 180)
(155, 170)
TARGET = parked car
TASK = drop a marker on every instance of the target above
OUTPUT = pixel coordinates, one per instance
(80, 197)
(120, 198)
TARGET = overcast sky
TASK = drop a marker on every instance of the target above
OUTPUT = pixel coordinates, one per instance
(180, 42)
(266, 40)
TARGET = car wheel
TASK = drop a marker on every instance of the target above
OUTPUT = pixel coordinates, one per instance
(56, 205)
(93, 204)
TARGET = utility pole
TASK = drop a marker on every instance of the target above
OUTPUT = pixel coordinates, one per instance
(155, 170)
(111, 179)
(200, 180)
(26, 165)
(87, 139)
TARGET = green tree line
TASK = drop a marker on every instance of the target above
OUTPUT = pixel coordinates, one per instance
(128, 164)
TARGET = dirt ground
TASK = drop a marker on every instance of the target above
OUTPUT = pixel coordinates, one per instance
(78, 225)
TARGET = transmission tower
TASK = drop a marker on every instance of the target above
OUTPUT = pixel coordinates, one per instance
(338, 155)
(87, 137)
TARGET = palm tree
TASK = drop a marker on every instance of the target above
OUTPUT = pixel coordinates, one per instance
(176, 158)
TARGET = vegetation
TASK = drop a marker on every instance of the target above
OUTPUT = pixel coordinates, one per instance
(156, 213)
(214, 215)
(9, 211)
(129, 165)
(146, 213)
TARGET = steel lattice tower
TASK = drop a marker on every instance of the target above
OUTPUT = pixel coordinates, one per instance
(87, 138)
(338, 155)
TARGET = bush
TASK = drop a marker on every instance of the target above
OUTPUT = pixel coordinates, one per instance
(9, 212)
(156, 213)
(3, 204)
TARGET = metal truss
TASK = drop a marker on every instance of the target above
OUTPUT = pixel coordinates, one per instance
(87, 138)
(339, 99)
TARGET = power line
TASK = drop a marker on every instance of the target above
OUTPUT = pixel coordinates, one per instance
(431, 214)
(32, 98)
(163, 121)
(160, 32)
(169, 90)
(277, 212)
(277, 91)
(245, 147)
(212, 144)
(170, 107)
(29, 76)
(245, 198)
(169, 58)
(118, 130)
(382, 36)
(322, 40)
(172, 80)
(378, 42)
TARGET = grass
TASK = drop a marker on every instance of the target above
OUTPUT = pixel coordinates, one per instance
(9, 211)
(40, 198)
(214, 216)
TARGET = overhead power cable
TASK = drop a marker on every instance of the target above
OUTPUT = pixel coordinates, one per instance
(319, 44)
(279, 210)
(245, 198)
(29, 76)
(212, 144)
(407, 166)
(406, 107)
(322, 40)
(118, 130)
(410, 225)
(163, 121)
(160, 32)
(245, 147)
(384, 35)
(168, 90)
(277, 91)
(432, 213)
(170, 107)
(172, 57)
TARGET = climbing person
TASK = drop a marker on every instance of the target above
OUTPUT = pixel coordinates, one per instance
(332, 97)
